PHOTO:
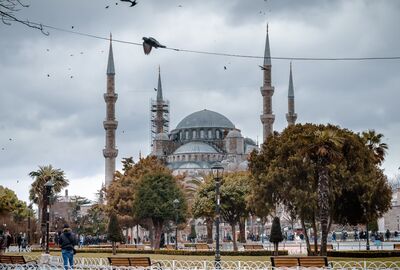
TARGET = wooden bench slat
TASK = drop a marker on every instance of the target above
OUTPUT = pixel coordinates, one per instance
(313, 261)
(202, 247)
(7, 259)
(284, 261)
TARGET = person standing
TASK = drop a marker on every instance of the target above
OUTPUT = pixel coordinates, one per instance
(3, 242)
(19, 241)
(9, 239)
(67, 242)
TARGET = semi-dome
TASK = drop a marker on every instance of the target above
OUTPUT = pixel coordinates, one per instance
(234, 134)
(205, 118)
(161, 137)
(195, 147)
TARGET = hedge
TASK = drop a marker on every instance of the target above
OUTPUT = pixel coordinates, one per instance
(177, 252)
(365, 253)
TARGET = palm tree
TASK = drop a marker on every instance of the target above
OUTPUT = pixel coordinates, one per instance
(36, 193)
(374, 142)
(324, 149)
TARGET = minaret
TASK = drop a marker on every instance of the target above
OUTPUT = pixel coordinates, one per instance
(159, 115)
(159, 121)
(267, 90)
(291, 116)
(110, 124)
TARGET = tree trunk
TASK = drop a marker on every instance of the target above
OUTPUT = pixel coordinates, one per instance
(303, 225)
(158, 226)
(114, 248)
(315, 234)
(235, 248)
(323, 202)
(242, 230)
(209, 224)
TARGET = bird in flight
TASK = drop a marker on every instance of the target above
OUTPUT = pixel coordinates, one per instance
(224, 67)
(149, 43)
(262, 68)
(107, 6)
(133, 3)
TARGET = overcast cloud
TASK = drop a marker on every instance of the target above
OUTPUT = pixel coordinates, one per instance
(58, 119)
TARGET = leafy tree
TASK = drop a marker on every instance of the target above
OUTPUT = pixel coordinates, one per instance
(120, 194)
(154, 200)
(276, 234)
(114, 231)
(204, 205)
(234, 189)
(11, 206)
(325, 164)
(37, 190)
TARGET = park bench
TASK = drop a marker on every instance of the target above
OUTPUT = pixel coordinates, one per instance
(396, 246)
(169, 247)
(253, 247)
(201, 246)
(284, 261)
(328, 247)
(6, 259)
(313, 261)
(142, 262)
(306, 261)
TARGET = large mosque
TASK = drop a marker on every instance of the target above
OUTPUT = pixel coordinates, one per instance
(200, 139)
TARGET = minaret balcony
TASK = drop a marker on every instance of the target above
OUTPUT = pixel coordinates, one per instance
(110, 97)
(267, 90)
(110, 124)
(267, 118)
(110, 153)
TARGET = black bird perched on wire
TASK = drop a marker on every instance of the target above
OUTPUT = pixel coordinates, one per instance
(149, 43)
(133, 3)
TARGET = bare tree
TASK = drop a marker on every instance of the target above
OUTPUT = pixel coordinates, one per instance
(8, 9)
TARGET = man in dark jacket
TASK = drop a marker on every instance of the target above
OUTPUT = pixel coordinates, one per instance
(67, 242)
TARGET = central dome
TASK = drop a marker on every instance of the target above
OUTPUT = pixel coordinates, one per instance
(205, 118)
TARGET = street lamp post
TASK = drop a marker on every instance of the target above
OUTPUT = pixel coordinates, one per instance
(48, 186)
(217, 171)
(176, 206)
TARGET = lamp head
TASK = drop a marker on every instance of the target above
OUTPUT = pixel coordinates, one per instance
(217, 171)
(176, 203)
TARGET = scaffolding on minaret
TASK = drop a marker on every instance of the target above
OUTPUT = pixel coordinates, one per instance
(159, 113)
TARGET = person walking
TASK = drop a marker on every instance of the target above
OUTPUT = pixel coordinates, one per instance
(67, 242)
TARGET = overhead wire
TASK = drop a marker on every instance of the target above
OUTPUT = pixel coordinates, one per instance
(373, 58)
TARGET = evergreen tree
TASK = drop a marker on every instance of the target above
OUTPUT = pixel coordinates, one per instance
(114, 231)
(276, 234)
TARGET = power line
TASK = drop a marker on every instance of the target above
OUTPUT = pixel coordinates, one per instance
(233, 55)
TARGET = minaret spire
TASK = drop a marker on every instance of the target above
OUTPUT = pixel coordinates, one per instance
(110, 124)
(291, 116)
(110, 64)
(267, 91)
(159, 87)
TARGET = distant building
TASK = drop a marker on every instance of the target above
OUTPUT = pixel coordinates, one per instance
(391, 220)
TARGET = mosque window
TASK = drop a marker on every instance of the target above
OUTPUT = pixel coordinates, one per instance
(202, 134)
(186, 135)
(181, 135)
(194, 134)
(218, 134)
(210, 134)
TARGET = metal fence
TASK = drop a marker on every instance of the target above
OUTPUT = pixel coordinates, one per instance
(56, 262)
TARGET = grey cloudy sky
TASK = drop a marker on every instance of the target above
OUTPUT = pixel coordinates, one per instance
(58, 119)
